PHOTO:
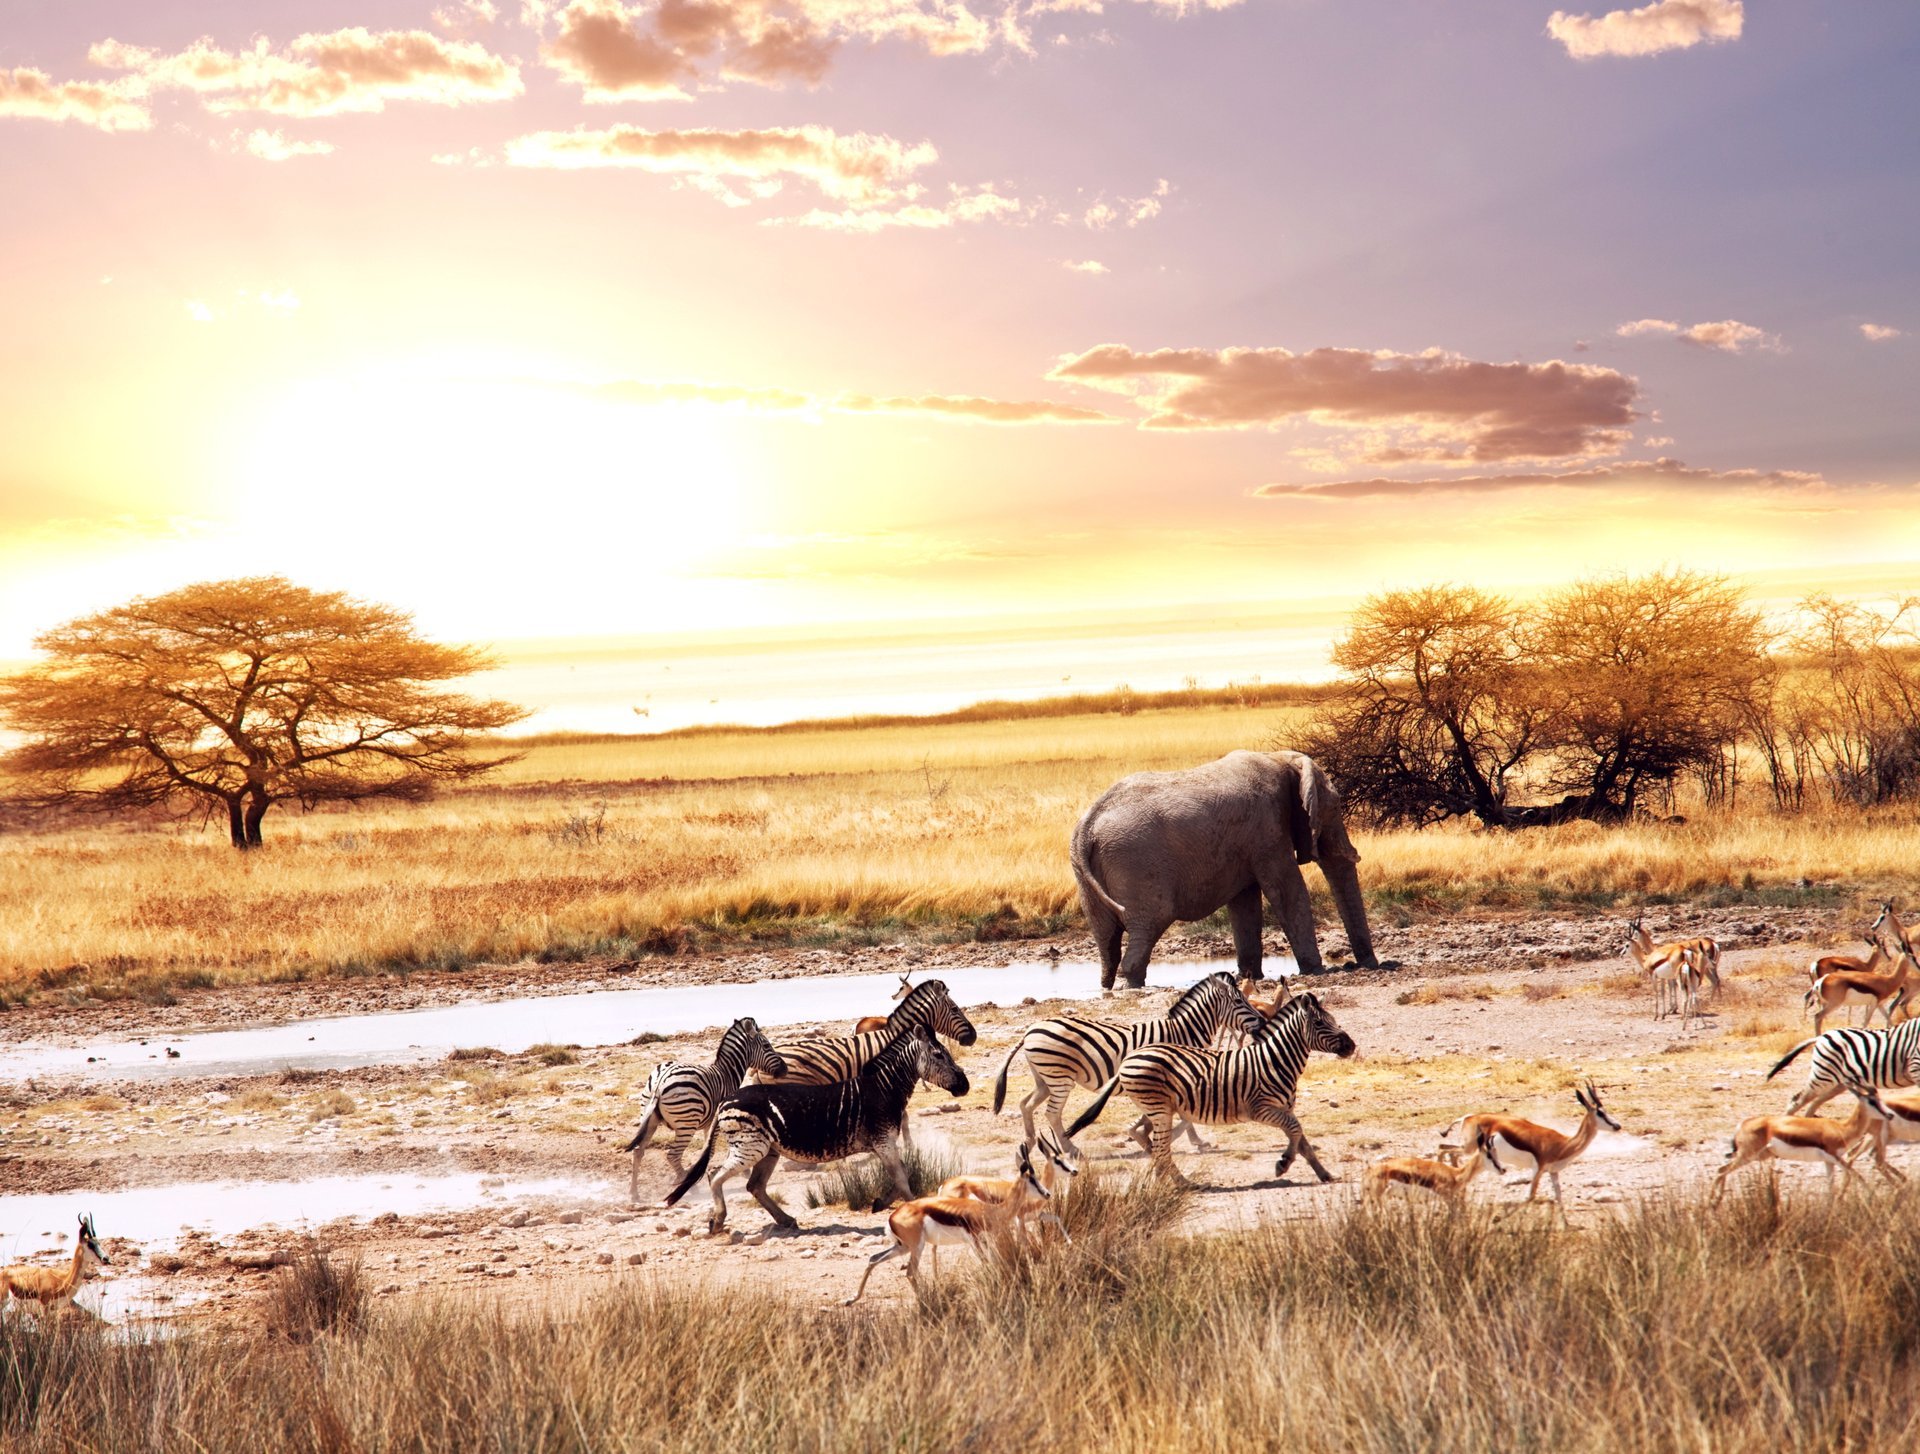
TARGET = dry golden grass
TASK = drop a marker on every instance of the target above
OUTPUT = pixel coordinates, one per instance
(611, 847)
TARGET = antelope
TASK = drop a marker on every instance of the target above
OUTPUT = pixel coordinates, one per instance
(52, 1288)
(1819, 1139)
(1902, 1125)
(1879, 990)
(879, 1022)
(937, 1221)
(998, 1190)
(1874, 963)
(1529, 1145)
(1673, 968)
(1446, 1180)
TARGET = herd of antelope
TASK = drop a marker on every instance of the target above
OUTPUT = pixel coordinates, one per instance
(1216, 1057)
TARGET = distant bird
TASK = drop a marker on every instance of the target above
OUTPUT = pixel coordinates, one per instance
(172, 1054)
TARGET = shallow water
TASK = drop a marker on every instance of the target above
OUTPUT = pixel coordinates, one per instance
(597, 1017)
(157, 1217)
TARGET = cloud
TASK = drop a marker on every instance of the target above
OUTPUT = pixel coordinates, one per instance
(272, 146)
(1667, 473)
(858, 169)
(1089, 266)
(979, 204)
(1428, 406)
(352, 70)
(27, 93)
(982, 411)
(465, 15)
(1663, 26)
(1727, 336)
(615, 51)
(1131, 210)
(1880, 332)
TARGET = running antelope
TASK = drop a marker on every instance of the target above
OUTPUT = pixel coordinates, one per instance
(684, 1097)
(1072, 1050)
(1819, 1139)
(867, 1023)
(823, 1059)
(51, 1289)
(1837, 991)
(1447, 1180)
(1542, 1150)
(815, 1123)
(942, 1221)
(1902, 1125)
(997, 1190)
(1877, 960)
(1217, 1089)
(1674, 969)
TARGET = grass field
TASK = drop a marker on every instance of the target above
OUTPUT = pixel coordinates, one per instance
(626, 846)
(1763, 1324)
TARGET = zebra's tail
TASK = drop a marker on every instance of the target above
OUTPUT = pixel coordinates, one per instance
(1788, 1058)
(1092, 1112)
(1000, 1080)
(699, 1167)
(646, 1127)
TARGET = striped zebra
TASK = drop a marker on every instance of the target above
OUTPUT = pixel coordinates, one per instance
(1072, 1050)
(1844, 1059)
(815, 1123)
(683, 1097)
(823, 1059)
(1218, 1089)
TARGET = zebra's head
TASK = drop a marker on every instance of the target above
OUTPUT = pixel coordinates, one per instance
(1215, 1002)
(1318, 1028)
(761, 1055)
(934, 1065)
(1589, 1099)
(928, 1003)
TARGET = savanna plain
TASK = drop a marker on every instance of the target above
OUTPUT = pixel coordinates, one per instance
(1249, 1308)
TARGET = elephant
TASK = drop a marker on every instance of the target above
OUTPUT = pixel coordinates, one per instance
(1164, 846)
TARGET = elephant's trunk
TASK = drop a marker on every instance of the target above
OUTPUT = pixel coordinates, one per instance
(1343, 879)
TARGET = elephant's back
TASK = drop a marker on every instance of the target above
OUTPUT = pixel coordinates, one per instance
(1177, 808)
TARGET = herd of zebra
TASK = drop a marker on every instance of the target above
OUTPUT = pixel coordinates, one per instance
(825, 1097)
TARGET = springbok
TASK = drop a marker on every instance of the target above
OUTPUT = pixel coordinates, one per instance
(879, 1022)
(1674, 969)
(1445, 1180)
(937, 1221)
(51, 1289)
(1819, 1139)
(1902, 1126)
(998, 1190)
(1880, 990)
(1530, 1146)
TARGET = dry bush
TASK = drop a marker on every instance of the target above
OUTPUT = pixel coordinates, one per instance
(863, 1182)
(331, 1103)
(476, 1052)
(258, 1099)
(1535, 993)
(547, 1053)
(1433, 994)
(315, 1294)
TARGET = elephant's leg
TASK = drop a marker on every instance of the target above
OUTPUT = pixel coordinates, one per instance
(1343, 881)
(1141, 937)
(1286, 891)
(1108, 930)
(1243, 913)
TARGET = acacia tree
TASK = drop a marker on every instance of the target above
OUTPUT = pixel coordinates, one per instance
(1435, 713)
(239, 694)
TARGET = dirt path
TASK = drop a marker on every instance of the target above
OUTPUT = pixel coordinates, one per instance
(1489, 1015)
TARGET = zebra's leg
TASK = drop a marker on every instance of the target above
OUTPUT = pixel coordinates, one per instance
(647, 1128)
(1200, 1143)
(1283, 1117)
(757, 1184)
(1812, 1098)
(1142, 1132)
(889, 1153)
(1040, 1095)
(677, 1148)
(1160, 1145)
(738, 1158)
(1056, 1103)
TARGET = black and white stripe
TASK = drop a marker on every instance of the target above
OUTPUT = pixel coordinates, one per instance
(1256, 1083)
(823, 1059)
(816, 1123)
(1844, 1059)
(1071, 1050)
(683, 1097)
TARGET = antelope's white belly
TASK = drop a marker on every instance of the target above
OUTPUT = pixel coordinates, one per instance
(1786, 1151)
(1514, 1158)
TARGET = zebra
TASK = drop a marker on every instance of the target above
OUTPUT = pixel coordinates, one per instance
(1843, 1059)
(823, 1059)
(815, 1123)
(683, 1097)
(1072, 1050)
(1218, 1088)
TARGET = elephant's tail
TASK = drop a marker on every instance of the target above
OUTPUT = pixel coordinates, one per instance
(1092, 1112)
(1084, 874)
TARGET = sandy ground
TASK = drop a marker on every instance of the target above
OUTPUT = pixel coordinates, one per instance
(1484, 1015)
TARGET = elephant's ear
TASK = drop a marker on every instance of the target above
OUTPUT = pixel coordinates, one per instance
(1320, 830)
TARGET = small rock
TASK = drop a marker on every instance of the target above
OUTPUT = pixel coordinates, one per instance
(502, 1271)
(258, 1261)
(571, 1219)
(390, 1287)
(634, 1259)
(471, 1267)
(553, 1244)
(386, 1219)
(166, 1262)
(683, 1231)
(605, 1259)
(518, 1219)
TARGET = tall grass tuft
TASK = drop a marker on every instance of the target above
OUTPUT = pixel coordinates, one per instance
(316, 1294)
(862, 1182)
(1779, 1324)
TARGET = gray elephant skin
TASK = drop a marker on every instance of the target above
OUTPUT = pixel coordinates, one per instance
(1160, 847)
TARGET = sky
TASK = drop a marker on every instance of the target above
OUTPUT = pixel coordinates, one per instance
(582, 319)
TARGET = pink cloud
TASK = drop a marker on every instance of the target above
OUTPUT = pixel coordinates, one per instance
(1663, 26)
(25, 92)
(1727, 336)
(1665, 473)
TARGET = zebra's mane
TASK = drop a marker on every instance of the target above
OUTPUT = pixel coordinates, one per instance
(1197, 993)
(919, 1000)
